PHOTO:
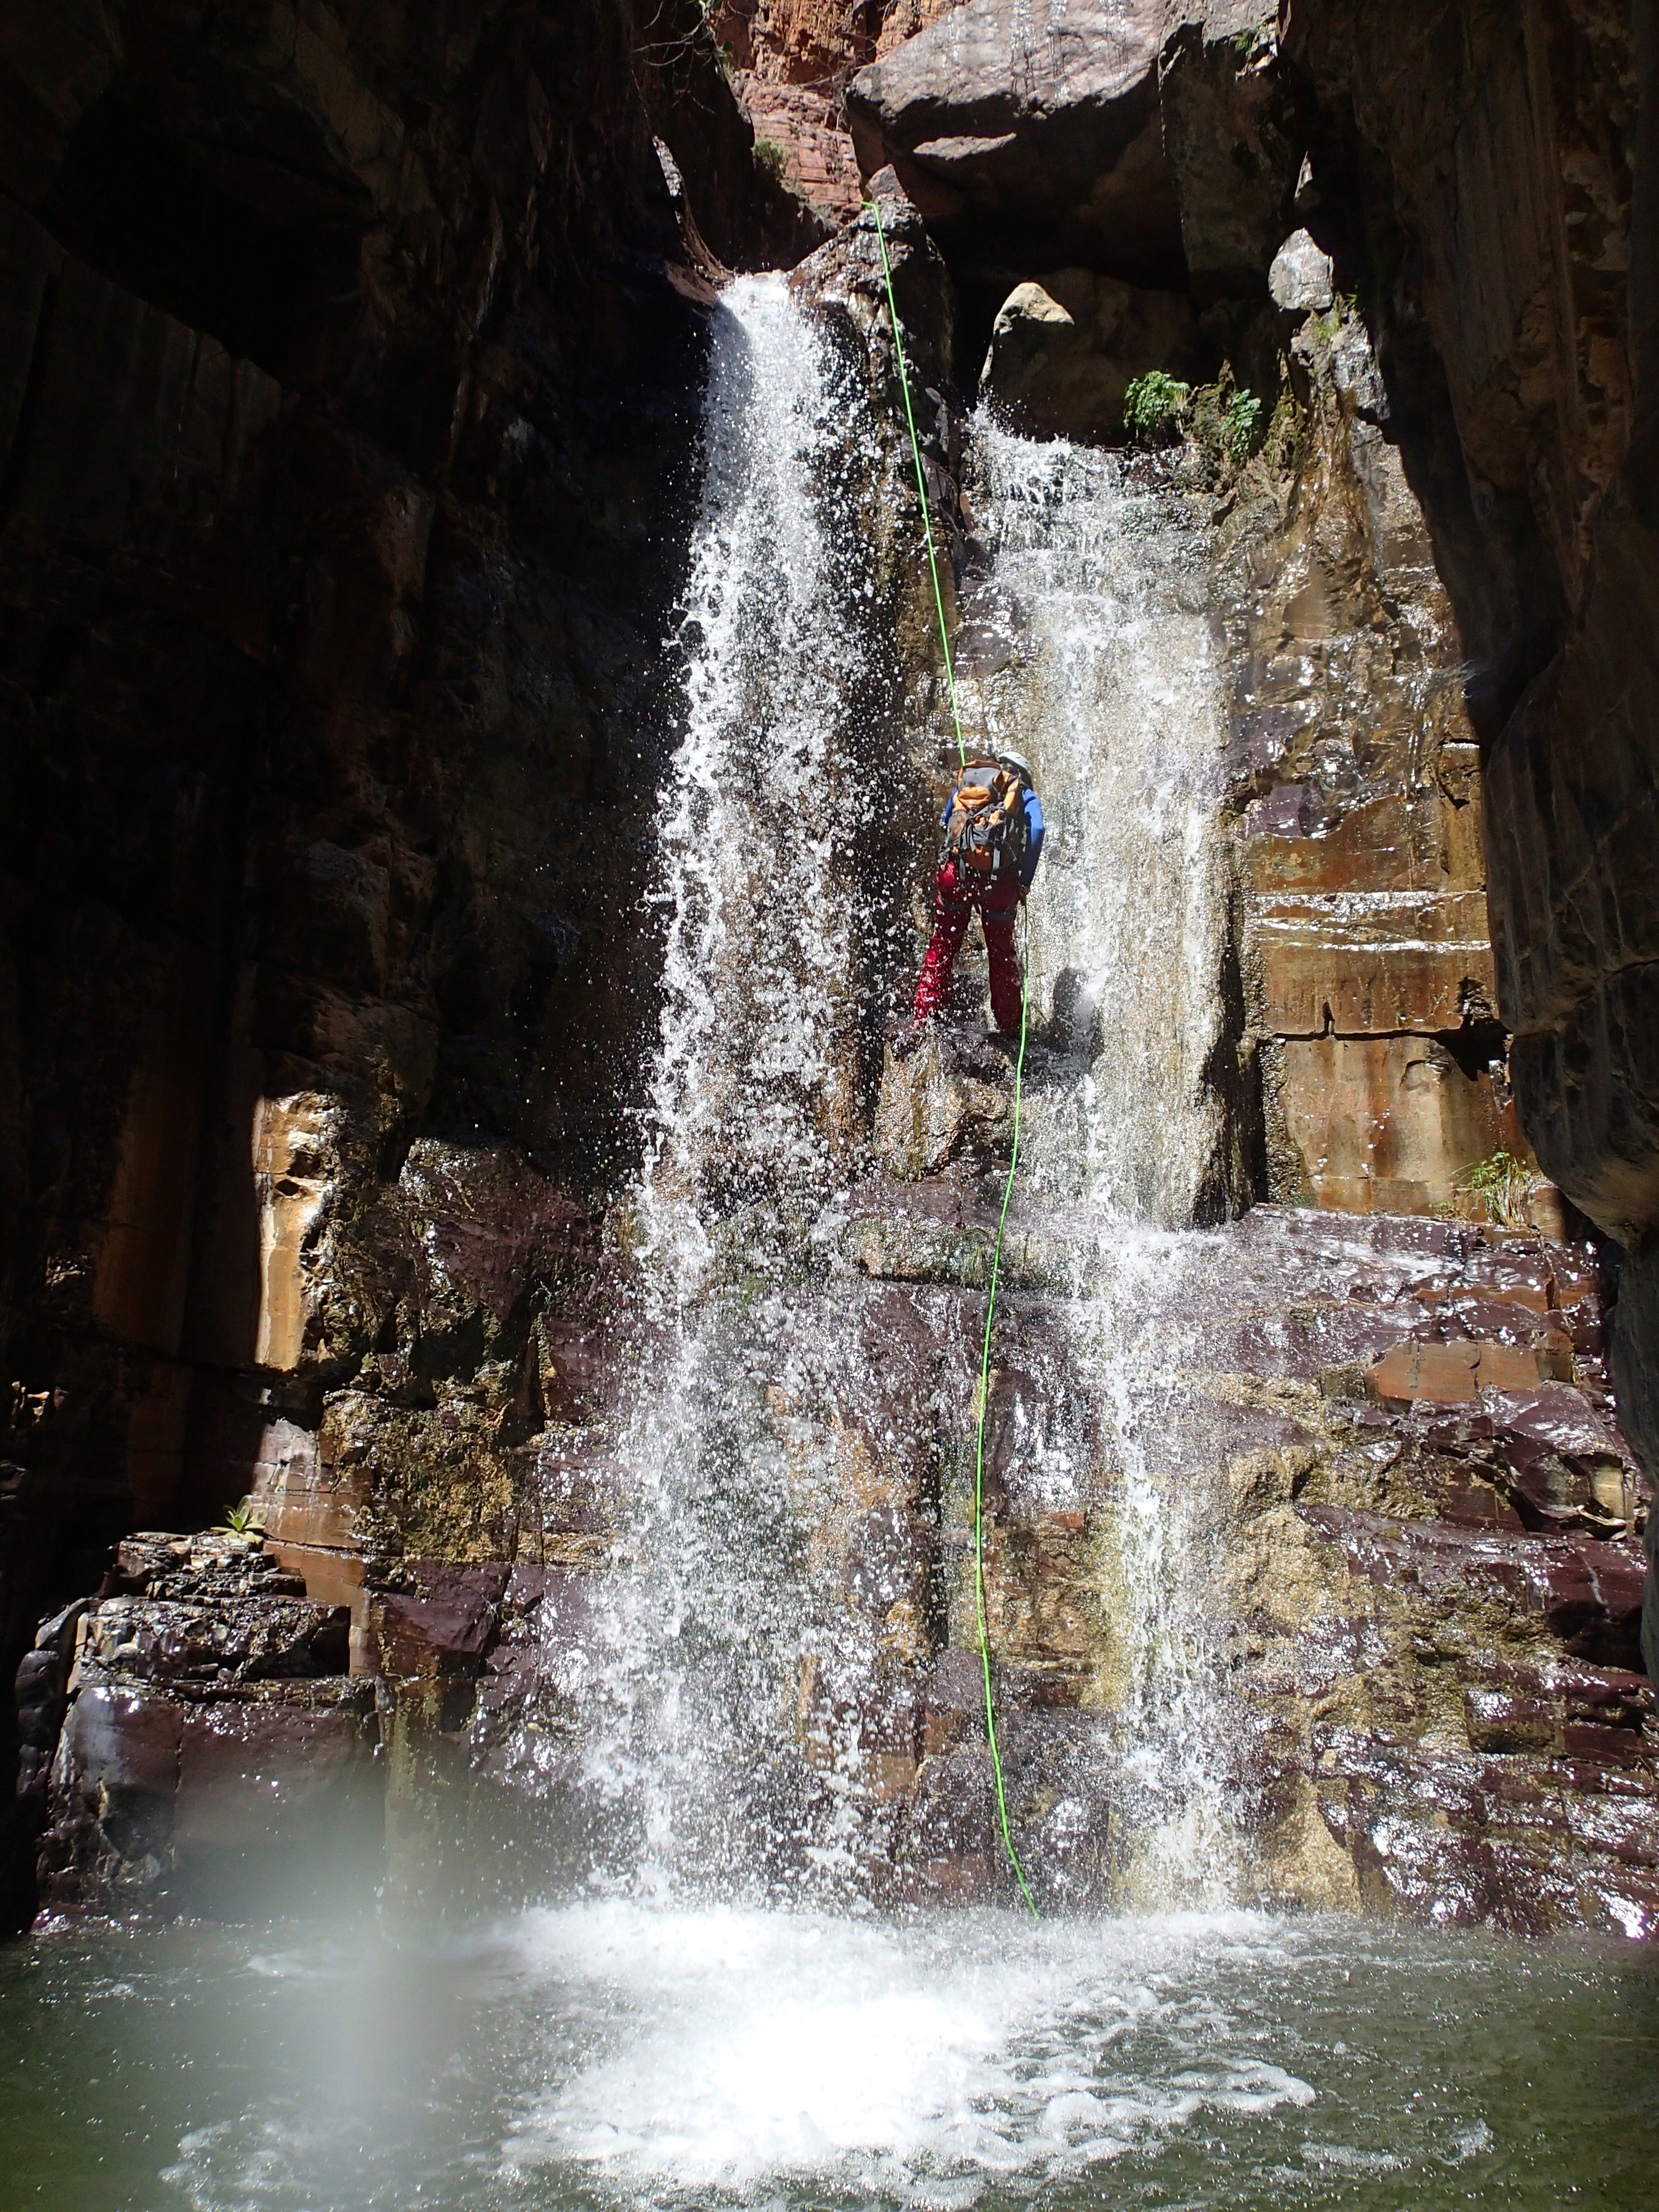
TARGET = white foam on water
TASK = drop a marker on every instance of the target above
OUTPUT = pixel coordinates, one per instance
(917, 2062)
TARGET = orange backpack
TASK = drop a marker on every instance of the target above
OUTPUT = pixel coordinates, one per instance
(986, 832)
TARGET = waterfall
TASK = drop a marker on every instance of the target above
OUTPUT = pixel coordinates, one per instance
(749, 1738)
(1114, 694)
(753, 1096)
(1115, 697)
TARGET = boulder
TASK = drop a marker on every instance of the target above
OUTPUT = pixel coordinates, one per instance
(1301, 277)
(1025, 138)
(1063, 351)
(213, 1757)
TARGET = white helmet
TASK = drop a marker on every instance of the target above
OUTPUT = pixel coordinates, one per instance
(1017, 762)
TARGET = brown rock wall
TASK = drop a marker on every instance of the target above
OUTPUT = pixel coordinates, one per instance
(1490, 188)
(348, 366)
(791, 62)
(1356, 774)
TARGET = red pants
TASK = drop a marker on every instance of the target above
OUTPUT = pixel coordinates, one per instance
(953, 902)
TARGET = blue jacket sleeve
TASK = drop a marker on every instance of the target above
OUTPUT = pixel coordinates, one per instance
(1034, 848)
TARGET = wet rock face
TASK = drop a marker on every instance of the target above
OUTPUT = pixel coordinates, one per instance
(1402, 1553)
(1415, 1553)
(347, 377)
(207, 1752)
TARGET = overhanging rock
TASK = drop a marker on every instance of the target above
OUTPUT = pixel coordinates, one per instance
(1020, 132)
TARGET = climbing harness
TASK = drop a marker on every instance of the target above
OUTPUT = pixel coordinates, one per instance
(1013, 1157)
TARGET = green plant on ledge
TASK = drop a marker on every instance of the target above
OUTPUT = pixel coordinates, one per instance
(1154, 402)
(771, 156)
(242, 1520)
(1239, 424)
(1504, 1184)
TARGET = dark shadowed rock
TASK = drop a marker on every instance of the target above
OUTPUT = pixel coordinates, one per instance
(214, 1758)
(1029, 137)
(1064, 349)
(1232, 140)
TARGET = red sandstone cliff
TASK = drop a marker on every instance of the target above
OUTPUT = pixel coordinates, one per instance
(791, 64)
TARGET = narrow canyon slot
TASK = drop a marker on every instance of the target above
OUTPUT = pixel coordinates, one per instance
(829, 1112)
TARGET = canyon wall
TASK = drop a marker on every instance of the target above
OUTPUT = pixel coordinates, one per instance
(348, 396)
(1492, 193)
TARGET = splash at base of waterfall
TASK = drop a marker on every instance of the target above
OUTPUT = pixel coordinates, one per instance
(915, 2064)
(605, 2055)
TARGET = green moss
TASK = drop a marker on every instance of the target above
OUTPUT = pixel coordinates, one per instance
(1502, 1183)
(1240, 421)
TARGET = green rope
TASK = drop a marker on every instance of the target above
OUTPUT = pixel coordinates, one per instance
(921, 484)
(1013, 1161)
(979, 1473)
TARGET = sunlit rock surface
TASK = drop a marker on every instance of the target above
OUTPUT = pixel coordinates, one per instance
(1529, 400)
(789, 60)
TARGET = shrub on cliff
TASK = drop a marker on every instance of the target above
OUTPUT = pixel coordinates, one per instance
(1154, 404)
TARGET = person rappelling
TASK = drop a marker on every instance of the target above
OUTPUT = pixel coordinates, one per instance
(991, 832)
(991, 840)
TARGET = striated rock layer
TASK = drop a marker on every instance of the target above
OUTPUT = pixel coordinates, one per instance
(1487, 179)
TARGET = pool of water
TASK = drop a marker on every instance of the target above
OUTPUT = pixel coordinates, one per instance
(609, 2053)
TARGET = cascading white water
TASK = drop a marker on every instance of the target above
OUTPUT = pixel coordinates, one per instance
(753, 1098)
(1115, 696)
(754, 1117)
(752, 1090)
(1162, 1657)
